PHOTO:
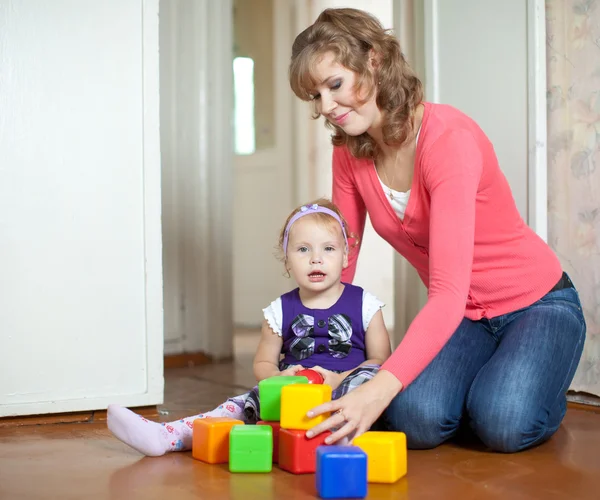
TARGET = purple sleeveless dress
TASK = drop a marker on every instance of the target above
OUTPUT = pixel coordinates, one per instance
(332, 338)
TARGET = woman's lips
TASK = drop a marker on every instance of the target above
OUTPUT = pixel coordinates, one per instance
(342, 118)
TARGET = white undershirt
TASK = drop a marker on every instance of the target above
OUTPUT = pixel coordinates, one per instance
(400, 198)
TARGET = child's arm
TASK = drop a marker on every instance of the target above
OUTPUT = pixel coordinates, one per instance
(266, 359)
(377, 341)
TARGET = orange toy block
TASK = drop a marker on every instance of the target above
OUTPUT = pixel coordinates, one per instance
(386, 455)
(210, 441)
(297, 400)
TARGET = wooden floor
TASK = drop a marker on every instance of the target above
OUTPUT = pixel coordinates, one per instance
(83, 461)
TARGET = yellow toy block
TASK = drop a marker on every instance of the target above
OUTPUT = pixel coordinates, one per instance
(297, 400)
(386, 455)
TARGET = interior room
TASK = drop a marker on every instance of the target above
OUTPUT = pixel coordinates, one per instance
(151, 153)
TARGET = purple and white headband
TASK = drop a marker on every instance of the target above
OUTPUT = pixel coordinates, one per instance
(307, 210)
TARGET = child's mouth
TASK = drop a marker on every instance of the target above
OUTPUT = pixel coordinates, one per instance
(316, 277)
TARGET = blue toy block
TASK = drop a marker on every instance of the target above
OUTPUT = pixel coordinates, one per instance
(341, 472)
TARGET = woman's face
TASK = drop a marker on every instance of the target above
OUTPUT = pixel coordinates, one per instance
(338, 102)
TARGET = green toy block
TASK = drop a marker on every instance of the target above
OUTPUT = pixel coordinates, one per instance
(269, 395)
(251, 448)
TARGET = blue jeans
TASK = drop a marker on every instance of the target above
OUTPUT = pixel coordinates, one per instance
(505, 377)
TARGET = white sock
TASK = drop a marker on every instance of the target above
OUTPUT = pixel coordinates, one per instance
(155, 439)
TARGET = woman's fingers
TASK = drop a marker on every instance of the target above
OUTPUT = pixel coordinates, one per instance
(330, 406)
(335, 420)
(346, 430)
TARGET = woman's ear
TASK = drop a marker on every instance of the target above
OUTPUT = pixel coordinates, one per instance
(374, 60)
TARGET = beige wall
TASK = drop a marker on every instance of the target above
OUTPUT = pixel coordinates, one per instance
(573, 54)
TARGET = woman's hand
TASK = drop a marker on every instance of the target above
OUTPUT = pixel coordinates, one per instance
(329, 378)
(290, 371)
(355, 413)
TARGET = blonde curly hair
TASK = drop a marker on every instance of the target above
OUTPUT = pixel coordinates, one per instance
(353, 36)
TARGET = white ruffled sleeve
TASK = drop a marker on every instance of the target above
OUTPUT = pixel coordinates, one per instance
(274, 315)
(371, 305)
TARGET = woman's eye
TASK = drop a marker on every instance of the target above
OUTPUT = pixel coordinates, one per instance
(316, 97)
(336, 85)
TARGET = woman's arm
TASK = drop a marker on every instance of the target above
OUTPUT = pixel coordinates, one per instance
(452, 170)
(451, 175)
(346, 196)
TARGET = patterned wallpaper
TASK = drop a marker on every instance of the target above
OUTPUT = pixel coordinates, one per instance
(573, 77)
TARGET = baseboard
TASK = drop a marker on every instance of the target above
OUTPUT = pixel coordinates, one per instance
(187, 359)
(583, 399)
(83, 417)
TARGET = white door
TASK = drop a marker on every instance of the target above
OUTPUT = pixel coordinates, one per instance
(263, 192)
(80, 237)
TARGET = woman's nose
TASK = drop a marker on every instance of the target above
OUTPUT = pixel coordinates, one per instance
(327, 104)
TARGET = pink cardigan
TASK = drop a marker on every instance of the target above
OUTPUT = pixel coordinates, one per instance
(461, 231)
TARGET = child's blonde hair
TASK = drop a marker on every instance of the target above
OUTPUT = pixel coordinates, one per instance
(321, 218)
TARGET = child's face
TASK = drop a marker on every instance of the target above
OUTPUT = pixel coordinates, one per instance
(316, 254)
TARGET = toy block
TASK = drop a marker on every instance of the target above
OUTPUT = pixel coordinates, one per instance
(251, 448)
(269, 395)
(210, 439)
(275, 426)
(386, 455)
(312, 376)
(341, 472)
(297, 400)
(297, 453)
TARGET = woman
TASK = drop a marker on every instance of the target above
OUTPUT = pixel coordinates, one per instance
(499, 339)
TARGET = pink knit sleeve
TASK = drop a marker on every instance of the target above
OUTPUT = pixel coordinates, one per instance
(450, 170)
(346, 196)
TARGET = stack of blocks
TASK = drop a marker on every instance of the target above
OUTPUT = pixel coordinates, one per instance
(297, 453)
(376, 457)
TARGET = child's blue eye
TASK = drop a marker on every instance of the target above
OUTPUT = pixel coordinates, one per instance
(303, 249)
(329, 249)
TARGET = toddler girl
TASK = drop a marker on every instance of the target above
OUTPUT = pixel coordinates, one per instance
(335, 328)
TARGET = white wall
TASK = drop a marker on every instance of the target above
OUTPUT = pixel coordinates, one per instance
(476, 60)
(483, 57)
(80, 242)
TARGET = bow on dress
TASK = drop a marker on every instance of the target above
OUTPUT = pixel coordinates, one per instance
(339, 328)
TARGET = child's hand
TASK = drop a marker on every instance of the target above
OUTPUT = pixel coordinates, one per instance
(291, 371)
(329, 378)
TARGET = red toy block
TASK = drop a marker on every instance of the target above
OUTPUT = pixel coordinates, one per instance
(297, 453)
(275, 426)
(312, 376)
